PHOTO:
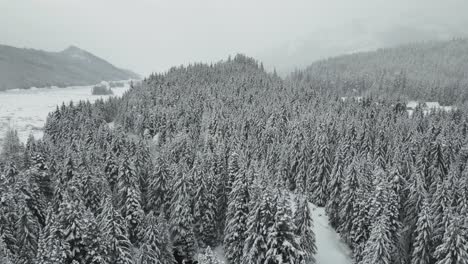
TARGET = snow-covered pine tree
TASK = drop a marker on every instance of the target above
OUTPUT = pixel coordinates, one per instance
(130, 198)
(159, 189)
(111, 169)
(304, 229)
(441, 202)
(28, 234)
(283, 245)
(5, 254)
(167, 249)
(208, 257)
(117, 245)
(259, 223)
(150, 243)
(350, 199)
(454, 246)
(205, 210)
(78, 230)
(320, 175)
(236, 217)
(379, 247)
(12, 149)
(422, 243)
(335, 186)
(181, 219)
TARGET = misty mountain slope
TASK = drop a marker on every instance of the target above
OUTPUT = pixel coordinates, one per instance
(25, 68)
(357, 36)
(431, 71)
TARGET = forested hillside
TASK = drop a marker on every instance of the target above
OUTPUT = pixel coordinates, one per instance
(208, 155)
(26, 68)
(430, 71)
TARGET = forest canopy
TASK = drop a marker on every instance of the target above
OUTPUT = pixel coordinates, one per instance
(230, 155)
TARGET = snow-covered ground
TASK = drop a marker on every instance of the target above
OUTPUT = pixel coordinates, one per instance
(428, 107)
(26, 110)
(330, 248)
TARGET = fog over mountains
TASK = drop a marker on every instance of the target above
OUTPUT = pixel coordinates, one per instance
(25, 68)
(357, 36)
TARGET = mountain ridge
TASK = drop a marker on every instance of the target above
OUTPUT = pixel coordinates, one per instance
(28, 67)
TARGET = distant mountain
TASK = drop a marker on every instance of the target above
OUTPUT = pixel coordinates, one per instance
(351, 38)
(430, 71)
(25, 68)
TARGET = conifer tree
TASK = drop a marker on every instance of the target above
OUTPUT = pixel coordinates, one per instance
(208, 257)
(318, 185)
(441, 201)
(422, 244)
(181, 220)
(335, 186)
(118, 248)
(5, 255)
(205, 210)
(78, 230)
(130, 198)
(236, 218)
(350, 199)
(379, 247)
(28, 235)
(159, 189)
(304, 229)
(259, 223)
(454, 246)
(151, 243)
(282, 243)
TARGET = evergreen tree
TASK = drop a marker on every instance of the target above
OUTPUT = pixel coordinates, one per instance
(208, 257)
(151, 243)
(159, 189)
(318, 187)
(5, 255)
(379, 247)
(78, 230)
(236, 218)
(454, 246)
(282, 243)
(259, 223)
(118, 247)
(205, 210)
(350, 199)
(28, 235)
(304, 229)
(181, 221)
(422, 244)
(335, 186)
(130, 198)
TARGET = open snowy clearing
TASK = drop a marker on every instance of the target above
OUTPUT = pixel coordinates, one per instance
(330, 248)
(26, 110)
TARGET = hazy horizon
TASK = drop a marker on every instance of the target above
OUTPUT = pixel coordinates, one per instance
(147, 36)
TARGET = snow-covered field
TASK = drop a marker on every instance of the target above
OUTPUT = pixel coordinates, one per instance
(330, 248)
(26, 110)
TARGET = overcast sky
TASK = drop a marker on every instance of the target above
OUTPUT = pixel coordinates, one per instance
(152, 35)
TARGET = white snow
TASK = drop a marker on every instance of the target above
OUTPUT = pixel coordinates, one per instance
(428, 107)
(412, 104)
(26, 110)
(219, 253)
(330, 248)
(432, 105)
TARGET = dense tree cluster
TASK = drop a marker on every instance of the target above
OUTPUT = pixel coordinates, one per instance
(229, 155)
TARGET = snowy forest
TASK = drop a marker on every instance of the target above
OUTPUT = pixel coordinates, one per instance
(228, 155)
(429, 71)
